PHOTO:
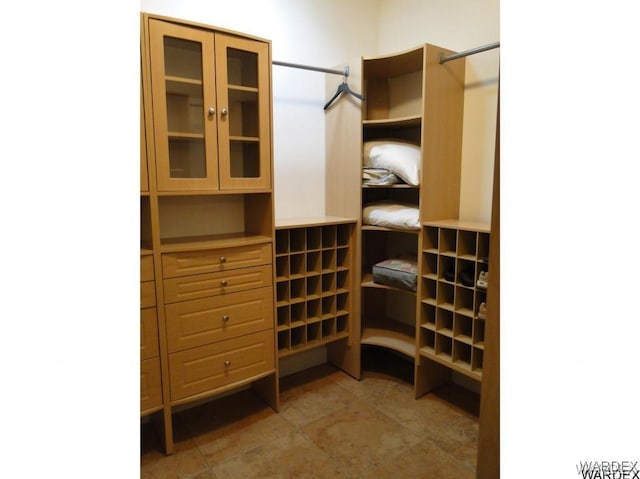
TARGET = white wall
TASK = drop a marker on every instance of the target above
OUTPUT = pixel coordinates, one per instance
(319, 33)
(458, 25)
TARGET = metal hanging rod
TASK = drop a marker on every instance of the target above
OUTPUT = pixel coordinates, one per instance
(473, 51)
(344, 72)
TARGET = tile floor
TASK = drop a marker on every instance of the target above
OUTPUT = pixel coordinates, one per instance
(329, 426)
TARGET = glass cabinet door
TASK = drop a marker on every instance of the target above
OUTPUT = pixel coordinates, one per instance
(182, 61)
(244, 149)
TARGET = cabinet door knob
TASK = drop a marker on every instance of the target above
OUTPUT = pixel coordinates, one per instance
(223, 282)
(225, 318)
(212, 111)
(223, 259)
(227, 363)
(224, 112)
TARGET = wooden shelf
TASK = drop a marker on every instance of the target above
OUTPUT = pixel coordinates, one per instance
(390, 334)
(400, 122)
(382, 228)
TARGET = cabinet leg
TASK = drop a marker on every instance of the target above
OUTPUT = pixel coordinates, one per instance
(346, 357)
(267, 388)
(164, 428)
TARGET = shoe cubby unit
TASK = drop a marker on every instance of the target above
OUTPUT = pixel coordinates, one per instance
(207, 221)
(314, 268)
(454, 254)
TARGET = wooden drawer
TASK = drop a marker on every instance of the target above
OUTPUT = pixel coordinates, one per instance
(203, 321)
(184, 288)
(213, 260)
(149, 333)
(207, 368)
(148, 294)
(150, 385)
(146, 268)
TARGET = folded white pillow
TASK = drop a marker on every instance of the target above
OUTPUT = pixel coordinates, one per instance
(391, 215)
(399, 157)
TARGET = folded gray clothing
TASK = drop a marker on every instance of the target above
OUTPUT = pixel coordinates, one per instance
(401, 273)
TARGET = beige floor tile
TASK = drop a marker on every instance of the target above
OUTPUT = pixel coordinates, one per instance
(239, 433)
(423, 461)
(292, 456)
(186, 463)
(359, 438)
(306, 403)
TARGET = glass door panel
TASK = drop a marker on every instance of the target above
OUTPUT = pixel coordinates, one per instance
(243, 96)
(185, 104)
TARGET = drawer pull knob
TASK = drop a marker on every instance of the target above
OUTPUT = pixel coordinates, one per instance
(223, 259)
(212, 111)
(224, 282)
(227, 363)
(225, 318)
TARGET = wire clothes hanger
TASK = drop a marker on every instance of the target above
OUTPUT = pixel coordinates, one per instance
(343, 88)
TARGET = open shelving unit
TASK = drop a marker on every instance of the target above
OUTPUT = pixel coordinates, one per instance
(451, 333)
(314, 268)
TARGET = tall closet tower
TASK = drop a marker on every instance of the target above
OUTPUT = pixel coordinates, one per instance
(411, 98)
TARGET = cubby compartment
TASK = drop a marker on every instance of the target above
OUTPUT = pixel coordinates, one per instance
(447, 269)
(445, 296)
(146, 241)
(464, 301)
(483, 247)
(444, 347)
(461, 355)
(314, 287)
(444, 322)
(342, 325)
(282, 293)
(314, 311)
(314, 263)
(429, 291)
(476, 360)
(314, 333)
(467, 244)
(428, 316)
(298, 337)
(282, 268)
(284, 343)
(282, 242)
(430, 239)
(448, 241)
(329, 260)
(328, 236)
(463, 328)
(342, 303)
(466, 273)
(298, 314)
(478, 333)
(343, 281)
(342, 258)
(329, 282)
(328, 306)
(343, 236)
(427, 341)
(283, 316)
(297, 290)
(297, 265)
(328, 328)
(314, 238)
(430, 265)
(297, 239)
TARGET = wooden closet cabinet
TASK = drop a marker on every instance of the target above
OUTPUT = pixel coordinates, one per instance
(211, 109)
(207, 222)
